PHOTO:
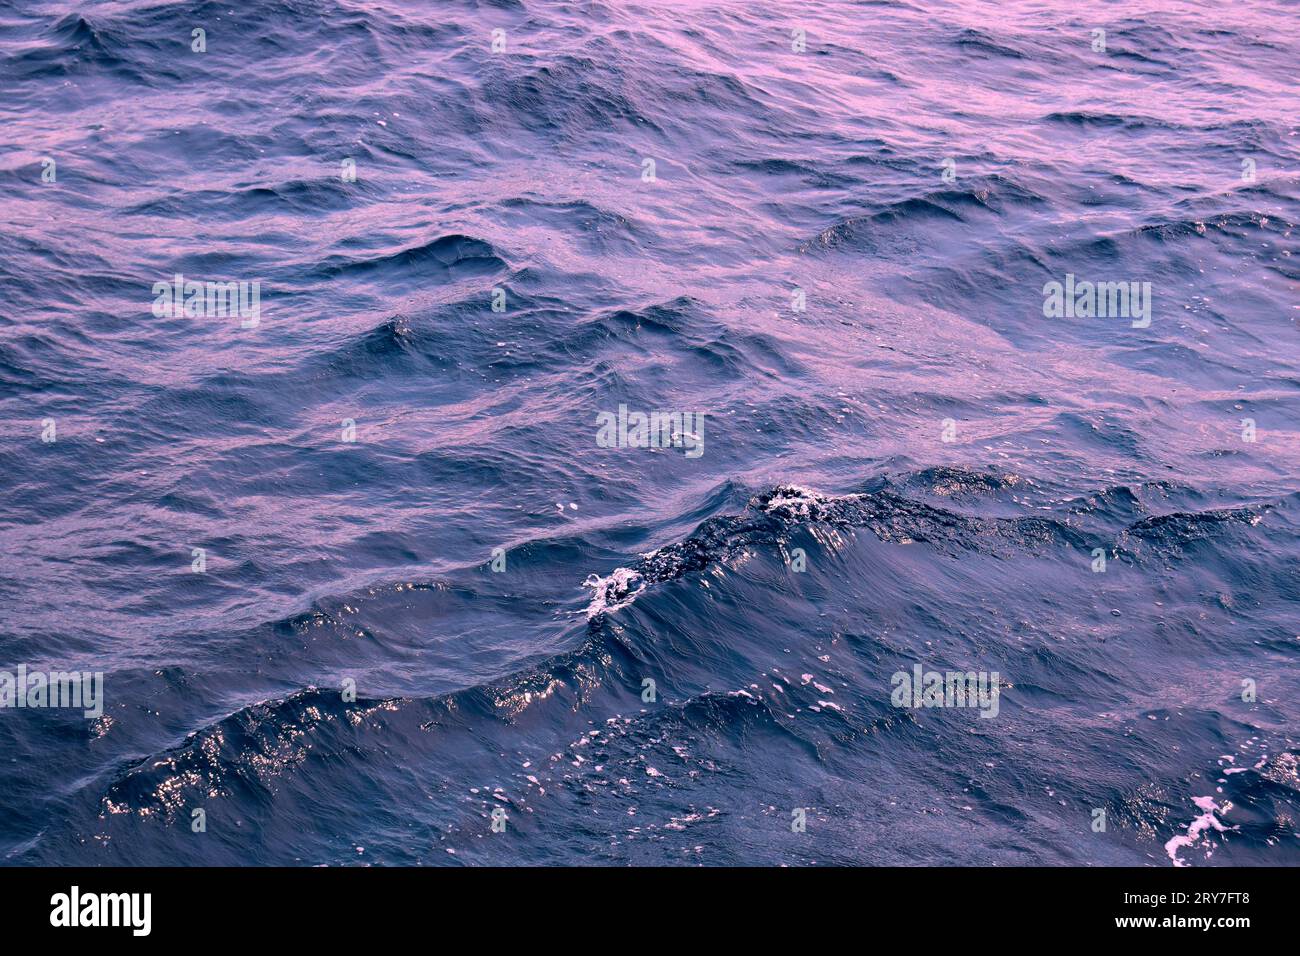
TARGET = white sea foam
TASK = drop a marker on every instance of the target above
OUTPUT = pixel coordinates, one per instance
(1206, 821)
(616, 590)
(794, 498)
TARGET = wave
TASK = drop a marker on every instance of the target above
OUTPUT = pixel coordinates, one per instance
(464, 255)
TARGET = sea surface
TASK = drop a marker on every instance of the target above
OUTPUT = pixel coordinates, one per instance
(359, 573)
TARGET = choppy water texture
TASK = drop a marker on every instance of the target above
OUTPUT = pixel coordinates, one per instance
(775, 170)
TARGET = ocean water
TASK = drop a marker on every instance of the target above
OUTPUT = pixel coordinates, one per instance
(825, 227)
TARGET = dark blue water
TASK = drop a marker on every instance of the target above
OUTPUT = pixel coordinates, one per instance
(942, 460)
